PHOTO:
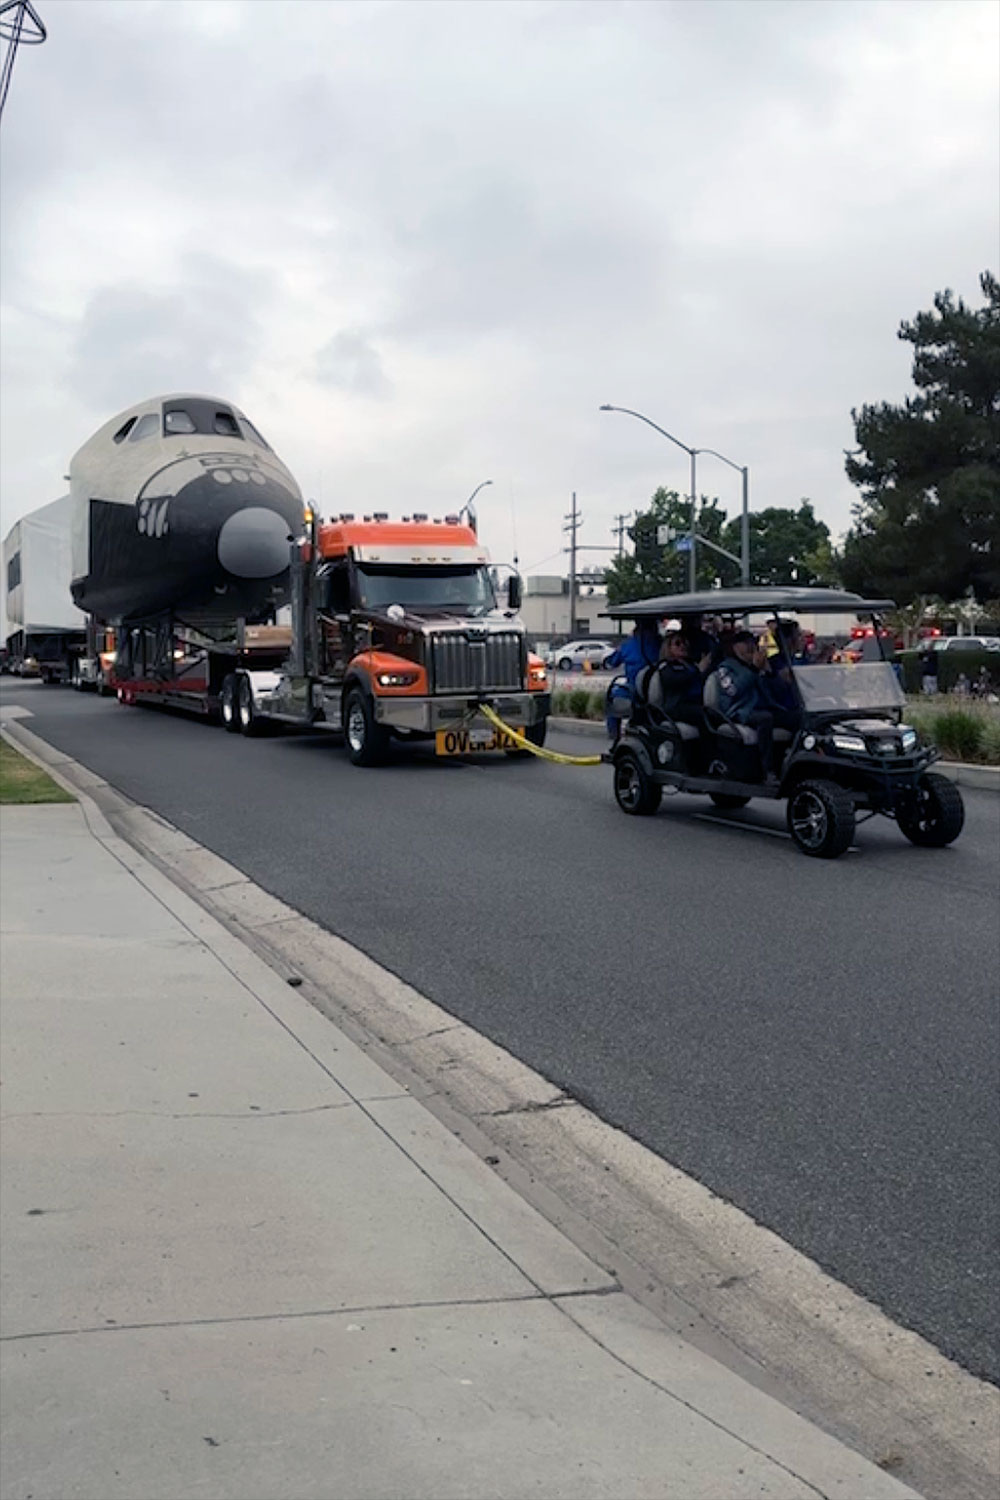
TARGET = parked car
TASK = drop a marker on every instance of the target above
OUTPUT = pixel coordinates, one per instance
(575, 653)
(967, 643)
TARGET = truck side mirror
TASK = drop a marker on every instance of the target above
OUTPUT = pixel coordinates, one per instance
(514, 591)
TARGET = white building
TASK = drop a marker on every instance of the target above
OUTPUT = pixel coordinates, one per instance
(545, 607)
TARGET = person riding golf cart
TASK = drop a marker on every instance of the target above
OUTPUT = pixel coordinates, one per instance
(841, 752)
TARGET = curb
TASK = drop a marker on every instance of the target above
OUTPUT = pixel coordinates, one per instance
(984, 778)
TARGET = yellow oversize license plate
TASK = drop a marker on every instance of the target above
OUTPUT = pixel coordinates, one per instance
(470, 741)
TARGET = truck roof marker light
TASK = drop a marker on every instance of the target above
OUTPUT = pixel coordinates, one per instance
(367, 518)
(347, 515)
(417, 516)
(451, 520)
(381, 515)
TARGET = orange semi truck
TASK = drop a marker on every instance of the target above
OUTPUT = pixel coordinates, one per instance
(395, 633)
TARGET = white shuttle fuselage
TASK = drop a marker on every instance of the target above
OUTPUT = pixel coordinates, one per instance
(180, 505)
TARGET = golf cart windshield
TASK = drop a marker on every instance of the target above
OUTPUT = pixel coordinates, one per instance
(864, 685)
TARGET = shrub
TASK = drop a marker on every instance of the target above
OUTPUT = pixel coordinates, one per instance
(560, 701)
(959, 733)
(990, 744)
(579, 703)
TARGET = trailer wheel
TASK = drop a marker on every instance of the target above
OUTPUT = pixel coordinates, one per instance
(249, 723)
(367, 741)
(228, 704)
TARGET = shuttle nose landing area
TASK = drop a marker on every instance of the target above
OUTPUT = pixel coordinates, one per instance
(253, 543)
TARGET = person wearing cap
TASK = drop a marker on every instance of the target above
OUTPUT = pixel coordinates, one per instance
(743, 699)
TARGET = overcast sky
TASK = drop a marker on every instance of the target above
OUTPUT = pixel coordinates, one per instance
(421, 243)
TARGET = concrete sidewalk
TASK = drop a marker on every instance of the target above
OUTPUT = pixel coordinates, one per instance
(239, 1260)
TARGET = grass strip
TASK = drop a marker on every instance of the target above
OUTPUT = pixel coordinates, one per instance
(21, 781)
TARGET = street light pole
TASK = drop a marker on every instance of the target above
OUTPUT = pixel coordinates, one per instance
(468, 503)
(693, 452)
(745, 516)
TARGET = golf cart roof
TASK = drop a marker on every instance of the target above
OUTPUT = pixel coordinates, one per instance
(745, 601)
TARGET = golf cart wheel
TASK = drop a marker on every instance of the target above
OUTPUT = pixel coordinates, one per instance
(935, 816)
(635, 793)
(728, 801)
(228, 705)
(821, 818)
(367, 742)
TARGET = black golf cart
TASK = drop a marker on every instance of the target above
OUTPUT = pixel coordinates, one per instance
(850, 753)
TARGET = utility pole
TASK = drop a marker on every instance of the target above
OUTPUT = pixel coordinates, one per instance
(618, 530)
(575, 520)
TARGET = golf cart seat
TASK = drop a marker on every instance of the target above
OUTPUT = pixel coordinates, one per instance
(725, 728)
(649, 691)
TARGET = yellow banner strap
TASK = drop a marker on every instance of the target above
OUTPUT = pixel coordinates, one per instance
(525, 744)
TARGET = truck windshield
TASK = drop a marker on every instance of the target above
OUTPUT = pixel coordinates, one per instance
(863, 684)
(464, 589)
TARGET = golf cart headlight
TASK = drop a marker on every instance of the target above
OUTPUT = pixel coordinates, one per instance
(809, 742)
(909, 738)
(852, 742)
(396, 679)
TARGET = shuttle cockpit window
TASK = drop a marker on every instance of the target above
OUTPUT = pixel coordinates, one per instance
(254, 435)
(147, 426)
(124, 430)
(177, 421)
(225, 423)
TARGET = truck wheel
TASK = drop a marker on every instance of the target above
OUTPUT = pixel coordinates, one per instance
(821, 818)
(635, 793)
(728, 800)
(229, 704)
(536, 734)
(367, 742)
(936, 815)
(249, 722)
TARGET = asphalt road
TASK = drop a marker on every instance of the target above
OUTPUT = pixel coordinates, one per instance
(817, 1042)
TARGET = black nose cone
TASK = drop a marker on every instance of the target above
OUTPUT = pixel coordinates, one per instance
(253, 543)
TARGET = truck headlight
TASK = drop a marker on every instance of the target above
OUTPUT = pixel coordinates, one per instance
(537, 674)
(396, 679)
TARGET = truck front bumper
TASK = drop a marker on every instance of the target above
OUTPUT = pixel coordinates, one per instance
(428, 715)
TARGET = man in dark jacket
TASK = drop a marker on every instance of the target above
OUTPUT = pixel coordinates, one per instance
(743, 700)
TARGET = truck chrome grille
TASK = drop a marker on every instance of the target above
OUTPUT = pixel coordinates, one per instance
(489, 664)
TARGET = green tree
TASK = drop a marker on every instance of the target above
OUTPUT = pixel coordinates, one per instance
(786, 546)
(655, 568)
(928, 521)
